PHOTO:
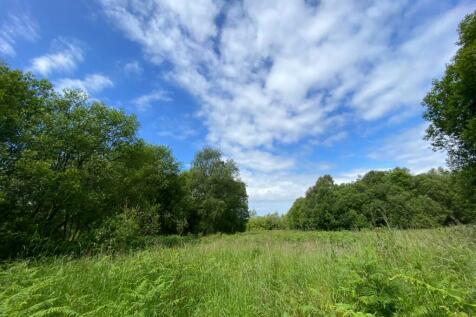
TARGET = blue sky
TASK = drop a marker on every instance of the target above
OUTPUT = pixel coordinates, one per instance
(289, 89)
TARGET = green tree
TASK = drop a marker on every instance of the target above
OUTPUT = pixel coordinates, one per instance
(451, 103)
(297, 214)
(315, 211)
(218, 202)
(57, 165)
(392, 198)
(68, 164)
(451, 110)
(150, 185)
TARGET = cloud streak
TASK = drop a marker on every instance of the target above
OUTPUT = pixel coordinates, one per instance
(410, 150)
(14, 28)
(133, 68)
(143, 102)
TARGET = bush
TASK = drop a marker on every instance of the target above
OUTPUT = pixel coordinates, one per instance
(117, 233)
(392, 198)
(268, 222)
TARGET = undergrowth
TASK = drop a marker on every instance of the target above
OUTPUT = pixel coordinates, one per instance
(270, 273)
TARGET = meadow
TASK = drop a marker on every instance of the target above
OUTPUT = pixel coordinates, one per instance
(265, 273)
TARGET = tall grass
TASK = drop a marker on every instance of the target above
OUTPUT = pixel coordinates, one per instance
(273, 273)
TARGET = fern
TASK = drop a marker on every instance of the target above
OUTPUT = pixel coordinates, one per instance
(444, 293)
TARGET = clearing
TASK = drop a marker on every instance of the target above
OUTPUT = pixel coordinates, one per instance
(269, 273)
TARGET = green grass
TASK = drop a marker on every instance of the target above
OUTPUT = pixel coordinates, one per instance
(273, 273)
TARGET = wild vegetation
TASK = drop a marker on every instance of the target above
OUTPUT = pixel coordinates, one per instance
(393, 198)
(272, 221)
(94, 221)
(74, 175)
(268, 273)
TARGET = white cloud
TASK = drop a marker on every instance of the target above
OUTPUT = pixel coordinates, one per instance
(274, 72)
(145, 101)
(65, 58)
(405, 76)
(408, 149)
(275, 192)
(16, 27)
(259, 160)
(133, 68)
(92, 83)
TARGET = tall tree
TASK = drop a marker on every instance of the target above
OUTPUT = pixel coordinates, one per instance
(451, 103)
(67, 164)
(451, 110)
(219, 198)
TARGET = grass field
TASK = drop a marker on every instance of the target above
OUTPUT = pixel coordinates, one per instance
(273, 273)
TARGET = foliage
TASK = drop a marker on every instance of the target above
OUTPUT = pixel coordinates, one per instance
(57, 161)
(118, 232)
(393, 198)
(267, 222)
(217, 195)
(451, 107)
(451, 104)
(268, 273)
(71, 169)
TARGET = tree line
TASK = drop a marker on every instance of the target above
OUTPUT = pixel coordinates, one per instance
(394, 198)
(73, 172)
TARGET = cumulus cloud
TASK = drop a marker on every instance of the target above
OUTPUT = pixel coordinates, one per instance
(14, 28)
(334, 138)
(65, 58)
(405, 149)
(275, 192)
(274, 72)
(92, 83)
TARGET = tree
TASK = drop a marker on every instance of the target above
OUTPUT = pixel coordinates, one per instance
(74, 173)
(57, 160)
(68, 164)
(392, 198)
(451, 103)
(219, 201)
(151, 187)
(315, 210)
(451, 110)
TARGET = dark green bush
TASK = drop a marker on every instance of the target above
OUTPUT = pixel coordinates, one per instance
(394, 198)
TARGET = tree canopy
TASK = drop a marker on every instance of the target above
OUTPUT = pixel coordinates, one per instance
(451, 104)
(219, 197)
(392, 198)
(71, 169)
